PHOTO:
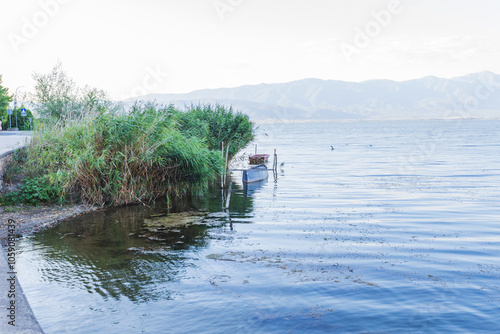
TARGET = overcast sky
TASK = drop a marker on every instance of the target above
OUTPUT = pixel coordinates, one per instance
(132, 47)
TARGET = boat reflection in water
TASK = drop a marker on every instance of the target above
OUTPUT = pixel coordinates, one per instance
(250, 188)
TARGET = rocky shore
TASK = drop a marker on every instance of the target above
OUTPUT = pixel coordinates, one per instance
(35, 219)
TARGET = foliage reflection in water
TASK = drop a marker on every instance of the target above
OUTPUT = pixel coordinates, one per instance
(131, 251)
(396, 230)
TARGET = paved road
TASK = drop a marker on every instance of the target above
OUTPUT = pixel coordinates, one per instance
(10, 140)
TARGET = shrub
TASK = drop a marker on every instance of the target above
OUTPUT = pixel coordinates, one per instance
(33, 191)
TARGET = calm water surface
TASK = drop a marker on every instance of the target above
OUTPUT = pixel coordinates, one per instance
(395, 230)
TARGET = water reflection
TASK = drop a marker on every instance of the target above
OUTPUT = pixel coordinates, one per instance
(250, 188)
(241, 204)
(342, 243)
(132, 252)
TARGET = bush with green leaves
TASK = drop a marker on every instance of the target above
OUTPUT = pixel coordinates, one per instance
(33, 192)
(5, 99)
(17, 120)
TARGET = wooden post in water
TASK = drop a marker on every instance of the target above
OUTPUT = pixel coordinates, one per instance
(275, 161)
(222, 175)
(226, 164)
(275, 165)
(228, 198)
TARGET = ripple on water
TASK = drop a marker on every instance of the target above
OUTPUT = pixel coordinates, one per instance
(374, 236)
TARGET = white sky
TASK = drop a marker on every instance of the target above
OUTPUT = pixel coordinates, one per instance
(116, 44)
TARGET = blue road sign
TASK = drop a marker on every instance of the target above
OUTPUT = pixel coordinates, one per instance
(9, 111)
(23, 112)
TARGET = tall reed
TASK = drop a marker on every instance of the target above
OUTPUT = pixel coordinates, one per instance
(147, 153)
(121, 159)
(217, 125)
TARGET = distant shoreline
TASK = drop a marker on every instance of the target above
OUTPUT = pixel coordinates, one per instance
(298, 121)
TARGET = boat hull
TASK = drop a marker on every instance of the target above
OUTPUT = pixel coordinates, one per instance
(255, 174)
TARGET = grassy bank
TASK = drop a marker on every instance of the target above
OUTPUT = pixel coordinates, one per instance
(112, 159)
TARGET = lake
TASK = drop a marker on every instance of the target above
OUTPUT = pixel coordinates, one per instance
(394, 230)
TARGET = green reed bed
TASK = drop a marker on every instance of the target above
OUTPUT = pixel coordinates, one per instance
(147, 153)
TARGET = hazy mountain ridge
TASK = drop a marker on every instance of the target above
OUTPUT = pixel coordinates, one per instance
(472, 96)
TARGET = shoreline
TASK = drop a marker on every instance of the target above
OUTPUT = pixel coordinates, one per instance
(28, 220)
(31, 220)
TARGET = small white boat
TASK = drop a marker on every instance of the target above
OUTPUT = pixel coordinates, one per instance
(258, 170)
(255, 174)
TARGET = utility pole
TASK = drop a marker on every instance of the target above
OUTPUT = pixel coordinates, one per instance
(15, 104)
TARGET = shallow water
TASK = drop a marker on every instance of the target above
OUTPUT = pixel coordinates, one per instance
(395, 230)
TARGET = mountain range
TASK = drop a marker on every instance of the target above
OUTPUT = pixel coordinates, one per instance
(474, 95)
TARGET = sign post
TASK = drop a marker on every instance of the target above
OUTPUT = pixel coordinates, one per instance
(9, 112)
(23, 114)
(15, 111)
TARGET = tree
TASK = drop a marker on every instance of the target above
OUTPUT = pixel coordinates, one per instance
(57, 96)
(5, 99)
(22, 122)
(54, 92)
